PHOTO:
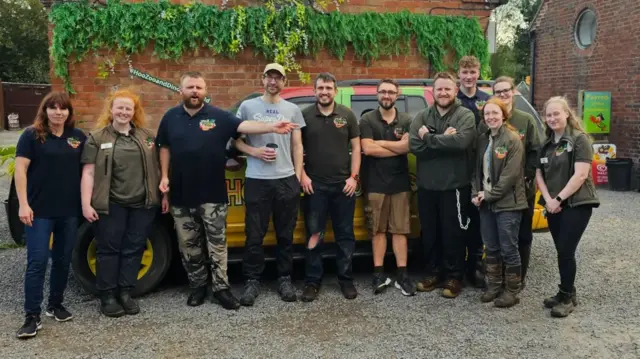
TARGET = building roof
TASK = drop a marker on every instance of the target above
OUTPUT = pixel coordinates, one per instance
(537, 18)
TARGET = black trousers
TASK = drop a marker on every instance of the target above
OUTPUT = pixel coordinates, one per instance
(280, 197)
(443, 233)
(120, 241)
(525, 235)
(473, 241)
(567, 228)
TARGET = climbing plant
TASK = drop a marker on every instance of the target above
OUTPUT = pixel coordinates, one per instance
(277, 34)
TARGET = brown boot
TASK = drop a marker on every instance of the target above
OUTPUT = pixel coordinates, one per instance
(493, 269)
(428, 284)
(513, 282)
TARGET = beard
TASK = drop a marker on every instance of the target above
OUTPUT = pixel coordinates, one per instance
(444, 104)
(272, 90)
(387, 105)
(187, 101)
(326, 104)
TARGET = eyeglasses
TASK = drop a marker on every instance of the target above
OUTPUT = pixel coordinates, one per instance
(385, 92)
(274, 78)
(502, 92)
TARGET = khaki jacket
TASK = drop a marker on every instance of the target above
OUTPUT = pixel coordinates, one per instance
(145, 139)
(507, 191)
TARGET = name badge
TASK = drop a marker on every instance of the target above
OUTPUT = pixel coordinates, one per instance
(544, 160)
(104, 146)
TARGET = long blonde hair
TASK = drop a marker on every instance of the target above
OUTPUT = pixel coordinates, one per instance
(105, 117)
(572, 119)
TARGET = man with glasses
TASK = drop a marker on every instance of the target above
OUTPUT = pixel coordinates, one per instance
(329, 181)
(272, 185)
(384, 137)
(474, 99)
(525, 124)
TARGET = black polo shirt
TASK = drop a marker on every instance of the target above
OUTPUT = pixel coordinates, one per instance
(475, 103)
(327, 143)
(53, 175)
(197, 145)
(387, 175)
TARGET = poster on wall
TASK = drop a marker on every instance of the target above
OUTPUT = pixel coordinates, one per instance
(597, 112)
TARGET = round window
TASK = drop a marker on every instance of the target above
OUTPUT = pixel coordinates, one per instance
(586, 28)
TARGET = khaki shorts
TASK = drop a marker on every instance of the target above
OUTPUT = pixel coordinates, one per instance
(390, 212)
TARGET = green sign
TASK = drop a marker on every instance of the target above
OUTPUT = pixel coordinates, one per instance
(154, 80)
(597, 112)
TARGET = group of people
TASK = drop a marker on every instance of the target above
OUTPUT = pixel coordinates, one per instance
(478, 162)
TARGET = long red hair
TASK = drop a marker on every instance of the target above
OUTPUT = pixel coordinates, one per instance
(105, 117)
(51, 100)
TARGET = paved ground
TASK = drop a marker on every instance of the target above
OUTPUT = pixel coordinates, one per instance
(605, 325)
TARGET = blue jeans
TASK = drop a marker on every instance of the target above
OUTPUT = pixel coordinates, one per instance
(500, 234)
(64, 233)
(329, 200)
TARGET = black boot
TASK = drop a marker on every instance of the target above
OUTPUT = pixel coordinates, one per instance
(196, 297)
(128, 304)
(553, 301)
(525, 255)
(565, 305)
(109, 306)
(226, 299)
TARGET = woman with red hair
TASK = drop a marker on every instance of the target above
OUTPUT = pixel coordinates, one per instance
(120, 197)
(498, 190)
(47, 178)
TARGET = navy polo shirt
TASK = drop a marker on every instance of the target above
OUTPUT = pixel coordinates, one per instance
(197, 145)
(475, 103)
(53, 175)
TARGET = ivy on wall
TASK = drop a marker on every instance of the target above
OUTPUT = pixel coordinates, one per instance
(277, 34)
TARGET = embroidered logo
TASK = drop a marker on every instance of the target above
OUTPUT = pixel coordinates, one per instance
(73, 142)
(480, 104)
(149, 141)
(339, 122)
(501, 152)
(561, 149)
(521, 135)
(398, 132)
(206, 125)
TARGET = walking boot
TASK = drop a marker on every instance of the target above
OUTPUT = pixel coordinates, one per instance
(129, 305)
(493, 267)
(509, 296)
(109, 306)
(525, 255)
(553, 301)
(565, 305)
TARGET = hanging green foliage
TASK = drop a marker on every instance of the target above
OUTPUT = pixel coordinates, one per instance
(282, 35)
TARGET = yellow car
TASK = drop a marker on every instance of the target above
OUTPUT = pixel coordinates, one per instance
(161, 252)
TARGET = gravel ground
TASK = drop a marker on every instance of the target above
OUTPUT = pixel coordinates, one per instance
(605, 325)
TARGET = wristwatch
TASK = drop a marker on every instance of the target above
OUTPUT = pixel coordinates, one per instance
(559, 199)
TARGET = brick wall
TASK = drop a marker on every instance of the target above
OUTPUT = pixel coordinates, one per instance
(229, 80)
(611, 63)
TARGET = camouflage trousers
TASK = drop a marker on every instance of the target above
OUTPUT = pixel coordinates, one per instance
(203, 243)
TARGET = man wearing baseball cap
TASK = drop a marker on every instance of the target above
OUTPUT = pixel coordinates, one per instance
(272, 185)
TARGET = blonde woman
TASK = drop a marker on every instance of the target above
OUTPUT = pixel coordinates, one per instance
(568, 194)
(120, 197)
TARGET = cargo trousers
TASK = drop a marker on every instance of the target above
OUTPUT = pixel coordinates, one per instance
(202, 241)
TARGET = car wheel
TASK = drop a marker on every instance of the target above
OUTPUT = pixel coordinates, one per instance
(154, 265)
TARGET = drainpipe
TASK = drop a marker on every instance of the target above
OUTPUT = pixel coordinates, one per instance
(532, 41)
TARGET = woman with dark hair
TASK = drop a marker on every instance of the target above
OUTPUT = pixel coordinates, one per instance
(568, 194)
(47, 178)
(498, 190)
(525, 125)
(120, 196)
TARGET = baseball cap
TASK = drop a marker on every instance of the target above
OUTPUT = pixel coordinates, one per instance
(274, 67)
